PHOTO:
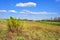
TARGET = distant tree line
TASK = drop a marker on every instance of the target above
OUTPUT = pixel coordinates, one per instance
(56, 19)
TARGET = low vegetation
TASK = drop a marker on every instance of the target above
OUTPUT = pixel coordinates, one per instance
(16, 29)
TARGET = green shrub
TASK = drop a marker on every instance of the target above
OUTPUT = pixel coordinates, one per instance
(13, 24)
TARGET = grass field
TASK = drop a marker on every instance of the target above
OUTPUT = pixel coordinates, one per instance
(31, 30)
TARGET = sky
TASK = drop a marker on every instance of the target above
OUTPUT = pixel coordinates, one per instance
(30, 9)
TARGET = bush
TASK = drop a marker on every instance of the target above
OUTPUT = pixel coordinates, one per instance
(13, 24)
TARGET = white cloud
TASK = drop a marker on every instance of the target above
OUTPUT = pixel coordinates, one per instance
(12, 11)
(28, 4)
(30, 12)
(3, 11)
(27, 12)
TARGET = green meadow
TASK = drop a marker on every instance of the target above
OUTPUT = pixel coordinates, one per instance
(16, 29)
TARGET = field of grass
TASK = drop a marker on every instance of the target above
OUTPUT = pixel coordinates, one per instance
(29, 30)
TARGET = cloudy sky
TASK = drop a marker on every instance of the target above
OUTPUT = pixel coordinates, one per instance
(30, 9)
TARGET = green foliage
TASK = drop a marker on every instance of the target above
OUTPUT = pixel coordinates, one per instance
(20, 38)
(13, 26)
(51, 23)
(13, 23)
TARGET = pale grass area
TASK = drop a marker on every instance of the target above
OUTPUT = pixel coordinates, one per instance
(39, 31)
(3, 26)
(33, 31)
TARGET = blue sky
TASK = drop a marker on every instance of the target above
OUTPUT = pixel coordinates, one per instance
(30, 9)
